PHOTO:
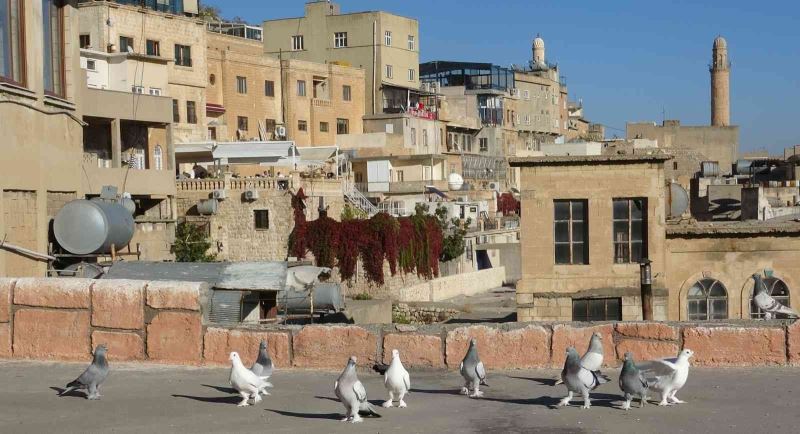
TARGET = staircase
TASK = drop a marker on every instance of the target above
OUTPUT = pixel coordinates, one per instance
(358, 200)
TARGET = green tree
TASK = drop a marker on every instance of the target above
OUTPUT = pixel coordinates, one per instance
(210, 13)
(191, 244)
(352, 213)
(455, 229)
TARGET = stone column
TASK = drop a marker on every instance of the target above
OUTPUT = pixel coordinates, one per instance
(116, 143)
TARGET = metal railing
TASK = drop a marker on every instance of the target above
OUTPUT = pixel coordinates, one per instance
(234, 184)
(358, 200)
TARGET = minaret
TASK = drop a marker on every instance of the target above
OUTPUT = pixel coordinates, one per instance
(538, 51)
(720, 84)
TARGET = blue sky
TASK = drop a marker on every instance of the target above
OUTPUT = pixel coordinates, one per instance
(627, 60)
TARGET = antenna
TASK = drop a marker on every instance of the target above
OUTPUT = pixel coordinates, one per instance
(663, 114)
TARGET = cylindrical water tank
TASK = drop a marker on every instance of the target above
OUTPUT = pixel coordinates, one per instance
(455, 182)
(85, 227)
(710, 169)
(207, 207)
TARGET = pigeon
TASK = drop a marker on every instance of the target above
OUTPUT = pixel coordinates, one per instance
(766, 303)
(667, 376)
(352, 394)
(473, 371)
(579, 379)
(632, 382)
(397, 381)
(245, 381)
(263, 366)
(593, 358)
(93, 376)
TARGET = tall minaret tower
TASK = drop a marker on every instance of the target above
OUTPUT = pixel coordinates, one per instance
(720, 84)
(538, 50)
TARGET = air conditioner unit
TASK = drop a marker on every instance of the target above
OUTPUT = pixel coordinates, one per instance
(251, 195)
(494, 185)
(434, 86)
(280, 131)
(219, 194)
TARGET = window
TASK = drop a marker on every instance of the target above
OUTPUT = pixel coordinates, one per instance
(84, 40)
(707, 299)
(674, 165)
(241, 84)
(347, 93)
(413, 137)
(301, 88)
(399, 176)
(526, 94)
(323, 127)
(630, 230)
(387, 38)
(425, 138)
(269, 125)
(484, 144)
(155, 91)
(302, 126)
(53, 28)
(176, 115)
(570, 231)
(191, 114)
(183, 55)
(342, 126)
(389, 71)
(411, 74)
(269, 88)
(261, 217)
(596, 309)
(241, 123)
(411, 43)
(158, 158)
(297, 43)
(153, 48)
(91, 65)
(126, 44)
(778, 289)
(340, 39)
(137, 89)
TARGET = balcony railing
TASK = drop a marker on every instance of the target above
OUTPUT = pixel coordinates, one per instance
(316, 102)
(234, 184)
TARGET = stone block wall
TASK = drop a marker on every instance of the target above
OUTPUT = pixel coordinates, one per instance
(63, 319)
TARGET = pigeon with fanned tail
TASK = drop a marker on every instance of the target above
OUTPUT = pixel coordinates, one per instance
(667, 376)
(263, 366)
(767, 304)
(245, 381)
(579, 379)
(593, 358)
(352, 395)
(91, 379)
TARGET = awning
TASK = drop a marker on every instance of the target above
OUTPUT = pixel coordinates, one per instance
(317, 153)
(436, 191)
(254, 150)
(214, 108)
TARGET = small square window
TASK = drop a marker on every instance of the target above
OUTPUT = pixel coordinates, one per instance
(389, 71)
(302, 126)
(323, 127)
(125, 44)
(241, 84)
(301, 88)
(153, 48)
(387, 38)
(347, 93)
(261, 217)
(269, 88)
(412, 74)
(411, 44)
(297, 43)
(340, 39)
(342, 126)
(85, 41)
(241, 123)
(91, 65)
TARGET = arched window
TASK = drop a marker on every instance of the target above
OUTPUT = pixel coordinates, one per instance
(707, 299)
(157, 158)
(777, 288)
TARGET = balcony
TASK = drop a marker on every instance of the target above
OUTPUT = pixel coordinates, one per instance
(416, 187)
(316, 102)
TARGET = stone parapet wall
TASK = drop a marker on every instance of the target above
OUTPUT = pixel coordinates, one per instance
(62, 319)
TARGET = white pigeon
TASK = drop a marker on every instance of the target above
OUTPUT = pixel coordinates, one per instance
(245, 381)
(667, 376)
(397, 381)
(766, 303)
(593, 358)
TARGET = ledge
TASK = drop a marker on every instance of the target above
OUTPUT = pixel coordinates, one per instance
(58, 102)
(17, 90)
(587, 159)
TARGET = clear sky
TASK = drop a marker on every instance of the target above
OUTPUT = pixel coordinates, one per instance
(628, 60)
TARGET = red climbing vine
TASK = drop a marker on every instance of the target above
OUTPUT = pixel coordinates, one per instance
(413, 243)
(508, 204)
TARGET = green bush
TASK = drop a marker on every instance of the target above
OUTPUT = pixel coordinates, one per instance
(191, 244)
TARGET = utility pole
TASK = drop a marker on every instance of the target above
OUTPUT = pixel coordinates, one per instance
(646, 279)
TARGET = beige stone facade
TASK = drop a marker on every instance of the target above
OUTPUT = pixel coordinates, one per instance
(684, 255)
(385, 45)
(247, 88)
(42, 141)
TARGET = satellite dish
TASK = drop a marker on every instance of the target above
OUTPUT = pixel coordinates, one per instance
(455, 182)
(678, 200)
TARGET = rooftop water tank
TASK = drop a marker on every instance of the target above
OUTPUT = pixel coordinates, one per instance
(84, 227)
(455, 182)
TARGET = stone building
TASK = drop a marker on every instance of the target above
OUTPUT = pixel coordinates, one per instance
(588, 221)
(42, 128)
(384, 45)
(248, 91)
(169, 31)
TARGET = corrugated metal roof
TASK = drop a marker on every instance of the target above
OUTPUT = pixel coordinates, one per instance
(252, 276)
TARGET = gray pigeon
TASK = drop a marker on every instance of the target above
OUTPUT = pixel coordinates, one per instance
(93, 376)
(632, 382)
(593, 358)
(765, 302)
(579, 379)
(352, 394)
(263, 366)
(473, 371)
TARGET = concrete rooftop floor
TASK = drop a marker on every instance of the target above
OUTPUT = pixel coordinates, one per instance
(151, 398)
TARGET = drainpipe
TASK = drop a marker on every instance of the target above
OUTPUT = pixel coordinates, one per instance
(374, 62)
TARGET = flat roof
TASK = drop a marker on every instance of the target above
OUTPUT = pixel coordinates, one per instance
(733, 228)
(588, 159)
